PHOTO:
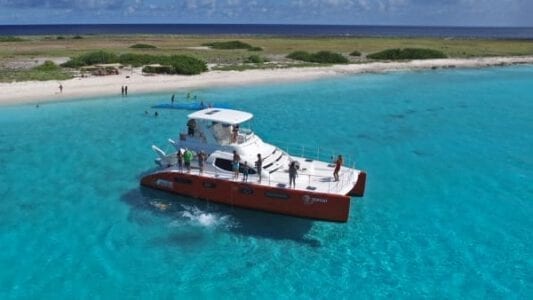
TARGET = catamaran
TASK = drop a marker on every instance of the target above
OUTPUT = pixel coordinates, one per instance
(225, 169)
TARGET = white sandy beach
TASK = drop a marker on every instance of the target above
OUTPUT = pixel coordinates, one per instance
(42, 91)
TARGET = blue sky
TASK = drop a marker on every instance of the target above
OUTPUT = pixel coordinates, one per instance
(357, 12)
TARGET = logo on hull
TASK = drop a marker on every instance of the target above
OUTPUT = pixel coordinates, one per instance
(308, 200)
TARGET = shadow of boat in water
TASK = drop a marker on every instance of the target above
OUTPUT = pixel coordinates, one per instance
(239, 221)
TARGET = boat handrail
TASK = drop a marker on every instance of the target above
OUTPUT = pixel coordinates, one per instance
(346, 178)
(314, 152)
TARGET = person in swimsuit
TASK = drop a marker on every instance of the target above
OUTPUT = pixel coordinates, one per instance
(235, 165)
(338, 164)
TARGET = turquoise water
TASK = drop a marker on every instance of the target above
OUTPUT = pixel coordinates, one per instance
(447, 211)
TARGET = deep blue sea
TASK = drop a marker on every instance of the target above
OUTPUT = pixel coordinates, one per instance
(447, 212)
(273, 29)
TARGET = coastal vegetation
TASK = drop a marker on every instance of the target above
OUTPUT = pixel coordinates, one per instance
(47, 71)
(11, 39)
(143, 46)
(174, 64)
(17, 54)
(322, 57)
(255, 59)
(407, 53)
(355, 53)
(232, 45)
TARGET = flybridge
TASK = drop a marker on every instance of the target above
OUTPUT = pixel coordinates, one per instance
(226, 116)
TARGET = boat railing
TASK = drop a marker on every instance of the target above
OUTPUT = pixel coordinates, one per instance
(346, 179)
(315, 152)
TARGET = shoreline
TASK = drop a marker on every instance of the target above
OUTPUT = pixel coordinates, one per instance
(33, 92)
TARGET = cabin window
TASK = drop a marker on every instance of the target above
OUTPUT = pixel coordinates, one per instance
(246, 191)
(226, 165)
(209, 185)
(182, 180)
(277, 195)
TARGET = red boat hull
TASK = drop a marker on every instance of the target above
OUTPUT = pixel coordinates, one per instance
(306, 204)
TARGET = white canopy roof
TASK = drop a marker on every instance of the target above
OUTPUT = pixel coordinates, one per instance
(227, 116)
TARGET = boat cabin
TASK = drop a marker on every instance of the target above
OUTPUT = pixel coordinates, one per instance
(217, 126)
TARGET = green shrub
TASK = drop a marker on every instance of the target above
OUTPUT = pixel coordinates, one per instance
(187, 65)
(407, 53)
(11, 39)
(60, 37)
(47, 66)
(255, 49)
(77, 37)
(229, 45)
(143, 46)
(254, 59)
(178, 64)
(355, 53)
(327, 57)
(300, 55)
(92, 58)
(138, 60)
(323, 57)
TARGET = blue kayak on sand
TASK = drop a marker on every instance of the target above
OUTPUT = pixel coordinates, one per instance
(190, 106)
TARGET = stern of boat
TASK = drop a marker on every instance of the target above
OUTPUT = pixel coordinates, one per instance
(358, 189)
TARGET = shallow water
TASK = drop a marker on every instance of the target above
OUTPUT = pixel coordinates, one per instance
(447, 210)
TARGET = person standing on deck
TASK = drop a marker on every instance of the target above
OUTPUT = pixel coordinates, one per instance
(293, 172)
(235, 133)
(187, 158)
(201, 160)
(338, 164)
(191, 126)
(180, 160)
(235, 165)
(259, 166)
(245, 172)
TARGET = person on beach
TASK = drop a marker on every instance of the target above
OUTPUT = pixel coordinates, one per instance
(187, 158)
(293, 172)
(172, 99)
(235, 165)
(179, 155)
(245, 170)
(60, 88)
(126, 90)
(201, 160)
(338, 164)
(122, 90)
(259, 166)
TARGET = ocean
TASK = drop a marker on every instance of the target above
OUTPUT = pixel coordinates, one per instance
(446, 214)
(273, 29)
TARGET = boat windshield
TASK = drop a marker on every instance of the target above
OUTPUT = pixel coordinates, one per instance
(225, 134)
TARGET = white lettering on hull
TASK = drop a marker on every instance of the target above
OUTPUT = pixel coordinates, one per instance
(309, 200)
